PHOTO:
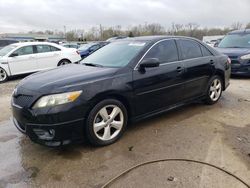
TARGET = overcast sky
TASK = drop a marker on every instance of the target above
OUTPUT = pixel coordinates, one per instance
(26, 15)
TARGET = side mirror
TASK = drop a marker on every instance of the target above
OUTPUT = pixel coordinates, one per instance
(149, 63)
(14, 55)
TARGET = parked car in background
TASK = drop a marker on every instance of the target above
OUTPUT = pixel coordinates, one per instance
(212, 40)
(126, 80)
(87, 49)
(71, 45)
(27, 57)
(236, 45)
(112, 39)
(6, 42)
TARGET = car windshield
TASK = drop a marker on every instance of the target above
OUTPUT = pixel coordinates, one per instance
(85, 46)
(6, 49)
(235, 41)
(117, 54)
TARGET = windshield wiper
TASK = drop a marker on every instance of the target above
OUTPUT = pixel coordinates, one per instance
(92, 64)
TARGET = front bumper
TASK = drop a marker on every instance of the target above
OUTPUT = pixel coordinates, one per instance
(55, 133)
(240, 68)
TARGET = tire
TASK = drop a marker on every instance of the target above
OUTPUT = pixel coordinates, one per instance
(214, 90)
(102, 128)
(3, 75)
(64, 62)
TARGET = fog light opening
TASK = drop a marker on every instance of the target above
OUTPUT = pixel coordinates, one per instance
(45, 134)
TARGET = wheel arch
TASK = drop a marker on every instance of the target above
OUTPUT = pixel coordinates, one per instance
(63, 60)
(123, 99)
(6, 69)
(221, 74)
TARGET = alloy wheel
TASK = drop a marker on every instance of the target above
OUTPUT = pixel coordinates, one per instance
(215, 90)
(3, 75)
(108, 122)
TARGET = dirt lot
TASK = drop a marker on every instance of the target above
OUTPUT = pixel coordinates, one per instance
(219, 135)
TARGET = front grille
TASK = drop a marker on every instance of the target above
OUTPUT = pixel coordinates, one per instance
(233, 57)
(235, 62)
(23, 100)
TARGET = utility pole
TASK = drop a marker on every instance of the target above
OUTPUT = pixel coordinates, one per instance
(101, 32)
(64, 27)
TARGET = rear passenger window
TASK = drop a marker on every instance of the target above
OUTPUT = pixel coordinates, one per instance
(52, 48)
(165, 51)
(190, 49)
(205, 51)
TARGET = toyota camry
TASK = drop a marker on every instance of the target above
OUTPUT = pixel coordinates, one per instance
(127, 80)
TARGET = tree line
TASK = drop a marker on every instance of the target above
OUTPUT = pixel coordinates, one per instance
(102, 33)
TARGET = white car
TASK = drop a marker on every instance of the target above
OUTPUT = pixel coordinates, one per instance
(28, 57)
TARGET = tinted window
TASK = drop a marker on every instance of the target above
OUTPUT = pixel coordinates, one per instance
(190, 49)
(43, 48)
(24, 50)
(165, 51)
(205, 51)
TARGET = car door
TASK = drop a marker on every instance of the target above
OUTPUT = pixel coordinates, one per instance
(23, 60)
(158, 87)
(47, 56)
(199, 66)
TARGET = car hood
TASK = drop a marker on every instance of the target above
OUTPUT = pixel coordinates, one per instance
(65, 77)
(234, 51)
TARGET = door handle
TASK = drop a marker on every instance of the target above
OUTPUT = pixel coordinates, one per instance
(179, 69)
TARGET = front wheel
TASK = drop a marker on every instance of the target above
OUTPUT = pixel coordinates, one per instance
(214, 90)
(106, 122)
(64, 62)
(3, 75)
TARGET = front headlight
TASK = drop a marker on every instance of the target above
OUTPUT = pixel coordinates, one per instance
(245, 57)
(57, 99)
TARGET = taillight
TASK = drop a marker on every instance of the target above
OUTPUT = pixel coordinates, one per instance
(77, 52)
(228, 60)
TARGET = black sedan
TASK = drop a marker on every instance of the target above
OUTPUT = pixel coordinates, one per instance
(125, 80)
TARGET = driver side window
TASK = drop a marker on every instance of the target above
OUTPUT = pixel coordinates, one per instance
(24, 51)
(165, 51)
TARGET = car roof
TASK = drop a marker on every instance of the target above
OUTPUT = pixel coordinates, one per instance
(155, 38)
(32, 43)
(242, 31)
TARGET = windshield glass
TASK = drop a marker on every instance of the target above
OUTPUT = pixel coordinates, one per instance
(6, 50)
(85, 46)
(117, 54)
(235, 41)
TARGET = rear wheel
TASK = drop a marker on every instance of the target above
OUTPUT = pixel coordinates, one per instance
(214, 90)
(106, 122)
(64, 62)
(3, 75)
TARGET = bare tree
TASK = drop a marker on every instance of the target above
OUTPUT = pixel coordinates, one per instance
(248, 26)
(237, 26)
